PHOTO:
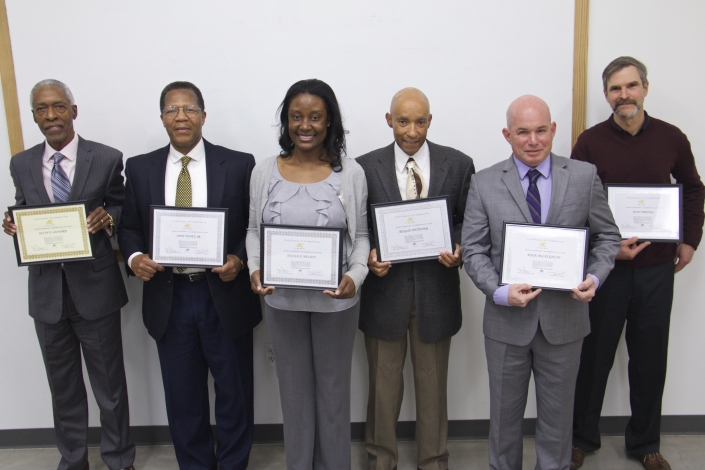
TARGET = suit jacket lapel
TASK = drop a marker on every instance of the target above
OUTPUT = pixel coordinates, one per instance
(388, 174)
(439, 170)
(513, 184)
(215, 175)
(559, 186)
(156, 177)
(84, 159)
(36, 169)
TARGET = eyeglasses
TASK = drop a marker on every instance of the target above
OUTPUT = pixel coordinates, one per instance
(190, 111)
(58, 108)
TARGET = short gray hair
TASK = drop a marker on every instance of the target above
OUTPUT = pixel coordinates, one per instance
(618, 64)
(51, 82)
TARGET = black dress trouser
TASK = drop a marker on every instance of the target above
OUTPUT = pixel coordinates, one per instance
(642, 297)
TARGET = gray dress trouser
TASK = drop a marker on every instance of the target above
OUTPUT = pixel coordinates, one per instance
(313, 354)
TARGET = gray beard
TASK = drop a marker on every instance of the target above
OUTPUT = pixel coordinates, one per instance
(636, 110)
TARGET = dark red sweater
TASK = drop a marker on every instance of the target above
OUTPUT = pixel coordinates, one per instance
(658, 151)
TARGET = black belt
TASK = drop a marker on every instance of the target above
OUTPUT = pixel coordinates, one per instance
(191, 277)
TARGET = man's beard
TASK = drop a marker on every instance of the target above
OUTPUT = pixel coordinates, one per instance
(630, 115)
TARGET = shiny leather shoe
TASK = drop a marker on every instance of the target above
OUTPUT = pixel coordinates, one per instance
(577, 458)
(654, 461)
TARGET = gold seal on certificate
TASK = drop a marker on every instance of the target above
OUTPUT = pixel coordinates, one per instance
(293, 256)
(651, 212)
(52, 233)
(413, 230)
(547, 256)
(190, 237)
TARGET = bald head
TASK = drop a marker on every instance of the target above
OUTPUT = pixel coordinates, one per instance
(527, 104)
(529, 129)
(410, 117)
(409, 94)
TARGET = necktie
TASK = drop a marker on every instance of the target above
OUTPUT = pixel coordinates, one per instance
(533, 198)
(183, 190)
(415, 187)
(60, 184)
(183, 185)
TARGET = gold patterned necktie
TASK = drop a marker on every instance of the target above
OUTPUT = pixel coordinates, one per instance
(415, 187)
(183, 190)
(183, 185)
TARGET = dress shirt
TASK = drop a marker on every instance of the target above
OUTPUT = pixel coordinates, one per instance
(199, 183)
(544, 185)
(68, 163)
(423, 162)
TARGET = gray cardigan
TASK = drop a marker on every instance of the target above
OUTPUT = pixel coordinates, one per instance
(353, 195)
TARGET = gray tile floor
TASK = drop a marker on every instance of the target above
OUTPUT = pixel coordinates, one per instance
(683, 453)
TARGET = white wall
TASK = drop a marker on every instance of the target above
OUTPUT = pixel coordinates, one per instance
(471, 58)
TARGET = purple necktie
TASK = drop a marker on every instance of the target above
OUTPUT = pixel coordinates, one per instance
(533, 198)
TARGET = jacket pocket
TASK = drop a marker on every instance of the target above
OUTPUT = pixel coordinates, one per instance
(103, 262)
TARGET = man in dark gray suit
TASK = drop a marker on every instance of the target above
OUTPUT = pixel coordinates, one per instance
(530, 330)
(421, 297)
(76, 305)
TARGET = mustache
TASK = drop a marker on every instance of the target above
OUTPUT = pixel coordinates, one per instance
(620, 102)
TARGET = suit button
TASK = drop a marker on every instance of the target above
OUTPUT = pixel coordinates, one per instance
(168, 282)
(411, 279)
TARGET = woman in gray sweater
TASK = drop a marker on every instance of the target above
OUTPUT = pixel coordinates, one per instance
(312, 183)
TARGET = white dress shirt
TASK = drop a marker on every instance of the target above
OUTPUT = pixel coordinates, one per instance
(199, 183)
(423, 163)
(68, 164)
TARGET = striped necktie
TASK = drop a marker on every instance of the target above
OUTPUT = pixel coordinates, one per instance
(415, 187)
(533, 198)
(60, 184)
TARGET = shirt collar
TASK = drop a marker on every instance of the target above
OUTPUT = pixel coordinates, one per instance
(69, 151)
(646, 122)
(421, 157)
(198, 153)
(544, 167)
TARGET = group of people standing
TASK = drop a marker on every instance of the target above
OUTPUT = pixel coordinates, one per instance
(202, 319)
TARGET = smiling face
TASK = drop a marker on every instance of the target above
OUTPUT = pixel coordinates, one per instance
(308, 123)
(54, 115)
(625, 92)
(529, 130)
(184, 129)
(409, 118)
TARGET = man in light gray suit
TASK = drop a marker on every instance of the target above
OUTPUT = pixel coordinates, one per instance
(533, 330)
(76, 305)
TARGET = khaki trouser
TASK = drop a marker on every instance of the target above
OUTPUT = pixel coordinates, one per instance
(386, 363)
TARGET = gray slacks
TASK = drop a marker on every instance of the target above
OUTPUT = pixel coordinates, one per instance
(313, 354)
(555, 369)
(101, 343)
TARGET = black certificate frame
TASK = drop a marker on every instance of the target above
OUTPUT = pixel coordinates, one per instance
(11, 210)
(263, 260)
(586, 231)
(180, 264)
(376, 228)
(679, 188)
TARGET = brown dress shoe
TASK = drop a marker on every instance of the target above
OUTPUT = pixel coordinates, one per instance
(654, 462)
(577, 458)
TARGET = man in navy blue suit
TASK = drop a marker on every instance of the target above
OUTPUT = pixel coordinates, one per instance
(201, 319)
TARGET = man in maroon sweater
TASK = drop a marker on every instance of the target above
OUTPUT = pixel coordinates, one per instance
(632, 147)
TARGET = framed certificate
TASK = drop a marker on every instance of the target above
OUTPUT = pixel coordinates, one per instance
(293, 256)
(51, 233)
(191, 237)
(413, 230)
(652, 212)
(547, 256)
